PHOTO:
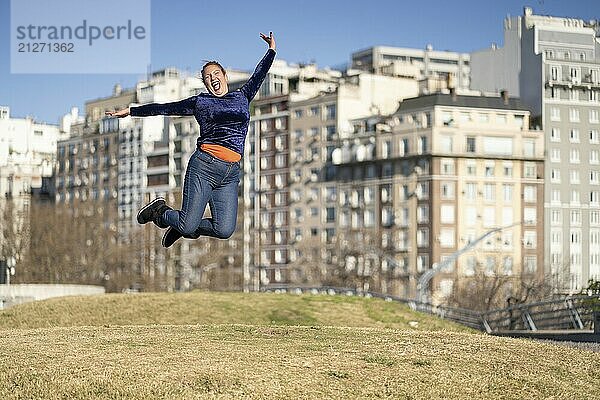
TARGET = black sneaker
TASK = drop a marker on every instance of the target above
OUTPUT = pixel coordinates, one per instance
(160, 212)
(170, 237)
(150, 211)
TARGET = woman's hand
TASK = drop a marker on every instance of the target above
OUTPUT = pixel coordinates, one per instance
(269, 39)
(119, 114)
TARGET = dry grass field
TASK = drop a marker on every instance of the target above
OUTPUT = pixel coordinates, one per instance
(266, 346)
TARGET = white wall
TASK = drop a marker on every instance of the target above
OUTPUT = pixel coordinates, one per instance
(496, 69)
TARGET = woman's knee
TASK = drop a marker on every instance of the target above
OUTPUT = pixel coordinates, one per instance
(188, 229)
(225, 232)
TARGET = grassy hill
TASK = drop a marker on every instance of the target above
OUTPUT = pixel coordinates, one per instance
(244, 346)
(219, 308)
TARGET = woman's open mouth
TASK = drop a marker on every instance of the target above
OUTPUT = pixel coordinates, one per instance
(216, 85)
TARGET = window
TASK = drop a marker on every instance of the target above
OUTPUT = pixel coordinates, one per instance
(574, 156)
(447, 190)
(386, 147)
(447, 237)
(489, 169)
(508, 169)
(298, 114)
(556, 238)
(387, 216)
(369, 195)
(573, 115)
(575, 217)
(404, 147)
(594, 115)
(422, 262)
(528, 148)
(594, 177)
(507, 241)
(470, 266)
(423, 214)
(574, 177)
(555, 135)
(554, 114)
(489, 192)
(507, 265)
(279, 161)
(489, 217)
(573, 94)
(507, 192)
(471, 216)
(507, 216)
(529, 194)
(555, 175)
(575, 197)
(555, 73)
(529, 215)
(470, 190)
(369, 218)
(471, 168)
(330, 111)
(529, 170)
(594, 217)
(555, 196)
(555, 155)
(422, 237)
(574, 136)
(447, 214)
(530, 264)
(594, 137)
(594, 76)
(529, 239)
(447, 167)
(573, 71)
(422, 147)
(471, 145)
(594, 157)
(594, 197)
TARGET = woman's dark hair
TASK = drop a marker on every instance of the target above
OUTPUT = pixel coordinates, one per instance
(212, 63)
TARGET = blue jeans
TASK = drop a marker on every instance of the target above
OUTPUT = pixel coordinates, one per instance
(208, 180)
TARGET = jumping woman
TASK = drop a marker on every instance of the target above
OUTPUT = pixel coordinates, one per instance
(213, 172)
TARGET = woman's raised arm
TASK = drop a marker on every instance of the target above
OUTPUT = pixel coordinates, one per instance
(251, 87)
(181, 107)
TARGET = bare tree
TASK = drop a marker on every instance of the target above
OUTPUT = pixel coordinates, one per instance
(486, 291)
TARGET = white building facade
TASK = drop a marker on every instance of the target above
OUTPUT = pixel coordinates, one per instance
(553, 64)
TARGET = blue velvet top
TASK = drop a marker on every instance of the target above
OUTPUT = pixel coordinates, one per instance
(223, 120)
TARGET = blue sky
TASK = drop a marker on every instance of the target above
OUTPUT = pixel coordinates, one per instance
(184, 32)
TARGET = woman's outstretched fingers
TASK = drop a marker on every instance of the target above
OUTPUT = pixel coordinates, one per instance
(269, 39)
(119, 114)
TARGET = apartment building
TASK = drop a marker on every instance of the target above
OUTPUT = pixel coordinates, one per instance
(27, 156)
(266, 163)
(317, 126)
(553, 64)
(426, 66)
(86, 169)
(423, 183)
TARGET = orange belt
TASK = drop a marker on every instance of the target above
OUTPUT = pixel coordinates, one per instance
(221, 152)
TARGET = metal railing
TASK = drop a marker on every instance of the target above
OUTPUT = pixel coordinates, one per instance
(567, 312)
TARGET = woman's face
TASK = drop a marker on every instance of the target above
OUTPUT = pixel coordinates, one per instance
(215, 80)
